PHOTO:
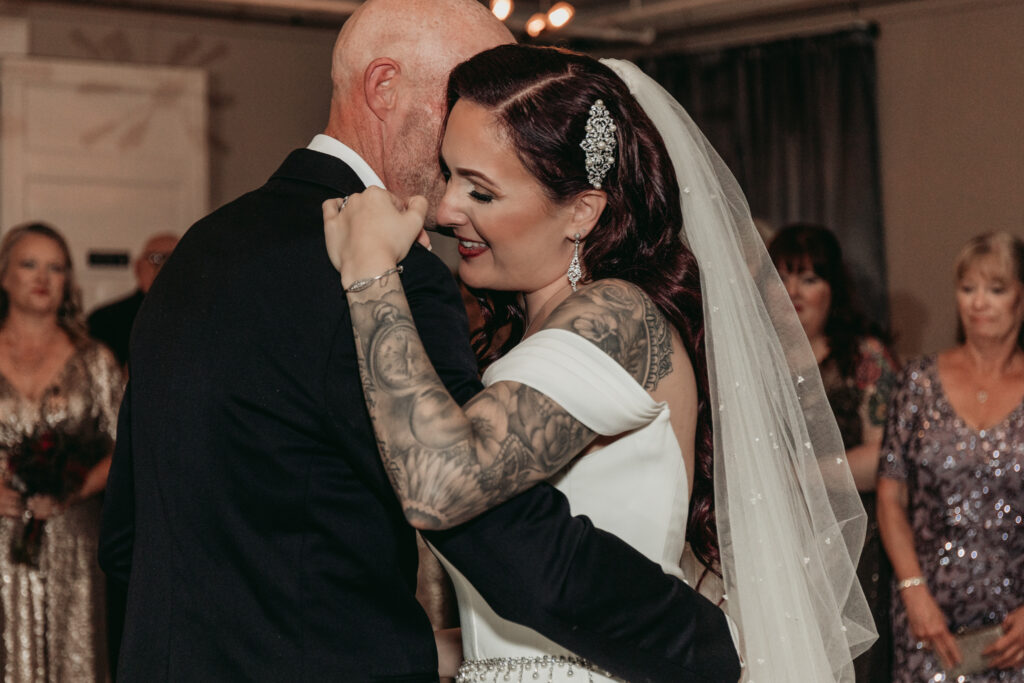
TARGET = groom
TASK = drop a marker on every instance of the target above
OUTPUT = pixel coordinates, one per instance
(247, 506)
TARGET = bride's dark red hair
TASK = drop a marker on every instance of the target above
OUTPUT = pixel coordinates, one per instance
(542, 97)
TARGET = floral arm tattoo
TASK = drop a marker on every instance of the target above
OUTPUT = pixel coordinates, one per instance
(448, 463)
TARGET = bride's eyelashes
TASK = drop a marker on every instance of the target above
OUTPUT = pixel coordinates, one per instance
(481, 196)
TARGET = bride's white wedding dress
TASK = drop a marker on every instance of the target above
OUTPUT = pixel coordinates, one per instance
(636, 488)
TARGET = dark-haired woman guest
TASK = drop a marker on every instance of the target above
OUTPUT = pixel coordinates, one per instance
(59, 395)
(577, 190)
(951, 490)
(858, 372)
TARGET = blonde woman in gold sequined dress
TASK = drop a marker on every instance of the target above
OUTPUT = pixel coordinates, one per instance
(58, 390)
(950, 493)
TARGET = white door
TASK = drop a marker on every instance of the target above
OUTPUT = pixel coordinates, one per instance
(107, 154)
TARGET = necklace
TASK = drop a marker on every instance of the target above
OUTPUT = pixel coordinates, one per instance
(982, 395)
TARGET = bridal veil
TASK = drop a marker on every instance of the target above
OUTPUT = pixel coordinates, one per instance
(790, 521)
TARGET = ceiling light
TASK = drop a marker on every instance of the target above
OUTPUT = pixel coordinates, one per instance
(501, 8)
(560, 14)
(535, 24)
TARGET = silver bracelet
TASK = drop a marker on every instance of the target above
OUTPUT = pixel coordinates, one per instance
(360, 285)
(910, 583)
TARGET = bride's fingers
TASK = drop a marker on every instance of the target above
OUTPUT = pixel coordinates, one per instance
(332, 207)
(398, 202)
(378, 198)
(416, 208)
(334, 236)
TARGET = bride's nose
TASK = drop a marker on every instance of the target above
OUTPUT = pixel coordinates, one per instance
(448, 212)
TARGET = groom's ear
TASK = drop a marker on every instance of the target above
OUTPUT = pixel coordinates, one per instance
(380, 85)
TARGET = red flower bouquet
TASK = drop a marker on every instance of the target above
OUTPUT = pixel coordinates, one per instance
(52, 461)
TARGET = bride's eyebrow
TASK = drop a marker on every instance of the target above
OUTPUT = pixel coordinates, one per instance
(466, 172)
(477, 175)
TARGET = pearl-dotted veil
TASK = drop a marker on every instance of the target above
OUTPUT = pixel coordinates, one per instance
(790, 521)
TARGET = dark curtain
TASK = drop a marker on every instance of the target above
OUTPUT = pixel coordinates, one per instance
(795, 121)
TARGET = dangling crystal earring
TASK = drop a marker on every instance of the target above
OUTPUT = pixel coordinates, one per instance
(575, 271)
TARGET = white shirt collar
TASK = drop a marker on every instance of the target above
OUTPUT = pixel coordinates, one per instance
(328, 145)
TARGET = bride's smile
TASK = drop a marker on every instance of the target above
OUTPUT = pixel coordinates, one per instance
(469, 249)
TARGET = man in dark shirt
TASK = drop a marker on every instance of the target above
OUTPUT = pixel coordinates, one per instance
(112, 323)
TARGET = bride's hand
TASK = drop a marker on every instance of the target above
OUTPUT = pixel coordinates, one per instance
(372, 233)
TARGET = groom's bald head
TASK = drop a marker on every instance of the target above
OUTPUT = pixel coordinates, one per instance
(390, 66)
(429, 37)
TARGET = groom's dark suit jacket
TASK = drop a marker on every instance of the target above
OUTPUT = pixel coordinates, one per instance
(250, 513)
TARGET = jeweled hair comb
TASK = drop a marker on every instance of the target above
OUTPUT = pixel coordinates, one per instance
(599, 143)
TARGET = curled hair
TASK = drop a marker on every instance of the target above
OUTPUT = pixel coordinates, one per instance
(541, 97)
(1008, 252)
(69, 312)
(805, 246)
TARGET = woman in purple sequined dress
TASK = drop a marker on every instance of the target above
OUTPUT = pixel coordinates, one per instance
(951, 489)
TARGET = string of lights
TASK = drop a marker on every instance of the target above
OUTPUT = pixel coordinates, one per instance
(557, 16)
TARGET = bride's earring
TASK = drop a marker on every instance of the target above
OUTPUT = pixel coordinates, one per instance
(575, 271)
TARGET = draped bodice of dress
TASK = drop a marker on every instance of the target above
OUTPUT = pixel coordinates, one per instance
(636, 488)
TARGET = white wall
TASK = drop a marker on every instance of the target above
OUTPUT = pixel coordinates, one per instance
(269, 84)
(951, 114)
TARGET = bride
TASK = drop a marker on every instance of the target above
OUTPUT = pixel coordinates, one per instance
(679, 409)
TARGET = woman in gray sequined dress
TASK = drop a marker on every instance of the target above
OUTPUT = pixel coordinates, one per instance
(59, 394)
(951, 490)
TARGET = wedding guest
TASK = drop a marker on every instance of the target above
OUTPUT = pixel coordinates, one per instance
(950, 499)
(858, 372)
(59, 394)
(112, 323)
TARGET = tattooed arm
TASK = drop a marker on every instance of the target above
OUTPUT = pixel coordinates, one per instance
(448, 464)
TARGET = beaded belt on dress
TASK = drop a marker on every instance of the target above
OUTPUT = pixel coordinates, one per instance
(526, 669)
